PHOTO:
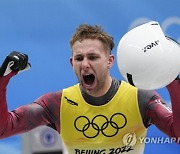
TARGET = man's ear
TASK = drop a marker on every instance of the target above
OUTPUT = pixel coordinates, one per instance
(71, 61)
(110, 61)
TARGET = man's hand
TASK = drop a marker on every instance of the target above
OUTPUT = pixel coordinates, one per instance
(16, 62)
(178, 78)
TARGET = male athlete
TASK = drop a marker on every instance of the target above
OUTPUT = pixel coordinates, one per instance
(100, 114)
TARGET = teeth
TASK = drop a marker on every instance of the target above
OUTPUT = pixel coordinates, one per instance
(86, 74)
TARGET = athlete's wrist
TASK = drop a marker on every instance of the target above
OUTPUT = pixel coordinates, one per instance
(4, 80)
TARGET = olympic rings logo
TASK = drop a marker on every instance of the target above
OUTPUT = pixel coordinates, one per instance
(100, 123)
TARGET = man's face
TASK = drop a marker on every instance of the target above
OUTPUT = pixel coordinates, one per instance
(91, 64)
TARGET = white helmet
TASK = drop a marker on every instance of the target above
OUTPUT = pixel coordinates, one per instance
(147, 58)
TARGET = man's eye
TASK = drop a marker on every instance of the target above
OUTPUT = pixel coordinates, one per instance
(93, 57)
(78, 58)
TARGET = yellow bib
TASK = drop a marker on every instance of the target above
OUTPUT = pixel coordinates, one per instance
(115, 127)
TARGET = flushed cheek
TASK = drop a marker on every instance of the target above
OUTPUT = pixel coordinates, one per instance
(76, 66)
(77, 71)
(101, 73)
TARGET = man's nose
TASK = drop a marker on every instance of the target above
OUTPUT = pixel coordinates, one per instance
(85, 63)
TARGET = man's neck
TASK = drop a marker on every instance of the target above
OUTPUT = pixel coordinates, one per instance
(104, 98)
(102, 90)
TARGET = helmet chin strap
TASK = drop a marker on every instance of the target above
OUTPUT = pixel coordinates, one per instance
(130, 80)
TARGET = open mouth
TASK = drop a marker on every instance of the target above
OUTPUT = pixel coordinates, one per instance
(89, 79)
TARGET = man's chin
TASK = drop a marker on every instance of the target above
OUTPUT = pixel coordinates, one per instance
(89, 88)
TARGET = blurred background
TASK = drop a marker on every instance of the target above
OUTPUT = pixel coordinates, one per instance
(42, 29)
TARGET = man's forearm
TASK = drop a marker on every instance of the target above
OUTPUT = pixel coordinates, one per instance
(162, 116)
(174, 91)
(4, 115)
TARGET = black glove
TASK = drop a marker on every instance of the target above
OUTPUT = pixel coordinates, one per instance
(16, 62)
